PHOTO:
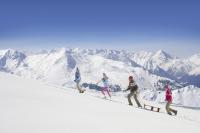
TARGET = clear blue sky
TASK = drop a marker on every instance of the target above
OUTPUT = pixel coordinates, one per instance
(171, 25)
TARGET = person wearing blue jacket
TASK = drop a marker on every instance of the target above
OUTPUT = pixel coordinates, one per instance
(78, 80)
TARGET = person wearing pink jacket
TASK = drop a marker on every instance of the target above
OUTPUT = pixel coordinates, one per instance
(104, 80)
(168, 98)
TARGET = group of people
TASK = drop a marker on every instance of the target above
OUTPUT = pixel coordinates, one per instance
(132, 87)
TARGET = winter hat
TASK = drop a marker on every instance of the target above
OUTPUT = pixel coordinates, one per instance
(130, 78)
(167, 86)
(105, 76)
(77, 69)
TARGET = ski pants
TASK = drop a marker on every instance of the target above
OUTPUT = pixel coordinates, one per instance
(105, 89)
(168, 109)
(134, 94)
(78, 86)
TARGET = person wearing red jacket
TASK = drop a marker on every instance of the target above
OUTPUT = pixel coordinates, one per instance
(168, 98)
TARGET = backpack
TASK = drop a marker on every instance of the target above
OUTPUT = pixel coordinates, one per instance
(133, 86)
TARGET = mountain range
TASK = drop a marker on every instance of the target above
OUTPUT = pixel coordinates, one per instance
(151, 70)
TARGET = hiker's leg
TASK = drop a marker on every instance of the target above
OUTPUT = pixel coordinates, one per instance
(78, 87)
(168, 109)
(129, 98)
(136, 100)
(102, 91)
(172, 110)
(108, 92)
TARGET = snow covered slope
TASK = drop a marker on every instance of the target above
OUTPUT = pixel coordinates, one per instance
(28, 106)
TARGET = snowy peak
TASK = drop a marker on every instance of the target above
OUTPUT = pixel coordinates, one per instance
(161, 53)
(14, 55)
(10, 59)
(151, 60)
(161, 57)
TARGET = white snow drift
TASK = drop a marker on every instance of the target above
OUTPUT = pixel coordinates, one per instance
(28, 106)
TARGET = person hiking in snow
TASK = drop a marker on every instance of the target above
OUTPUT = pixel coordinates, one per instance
(133, 91)
(78, 80)
(105, 85)
(168, 98)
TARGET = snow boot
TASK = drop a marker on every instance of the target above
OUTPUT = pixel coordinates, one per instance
(130, 104)
(169, 113)
(81, 91)
(175, 112)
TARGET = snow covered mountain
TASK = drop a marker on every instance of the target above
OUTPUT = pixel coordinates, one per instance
(185, 71)
(150, 70)
(58, 66)
(10, 59)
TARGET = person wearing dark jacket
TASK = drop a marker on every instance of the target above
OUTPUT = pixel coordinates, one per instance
(133, 91)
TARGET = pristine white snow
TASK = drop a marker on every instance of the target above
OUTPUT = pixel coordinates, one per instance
(29, 106)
